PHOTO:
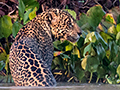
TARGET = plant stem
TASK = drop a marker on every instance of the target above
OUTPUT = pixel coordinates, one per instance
(97, 79)
(7, 49)
(91, 74)
(7, 43)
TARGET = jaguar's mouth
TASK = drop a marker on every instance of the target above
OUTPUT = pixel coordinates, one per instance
(73, 39)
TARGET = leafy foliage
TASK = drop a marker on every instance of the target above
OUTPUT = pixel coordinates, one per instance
(26, 13)
(97, 51)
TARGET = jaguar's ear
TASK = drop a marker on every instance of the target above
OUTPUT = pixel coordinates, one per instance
(55, 19)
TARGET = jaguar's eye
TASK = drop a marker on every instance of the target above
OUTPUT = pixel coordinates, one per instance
(70, 26)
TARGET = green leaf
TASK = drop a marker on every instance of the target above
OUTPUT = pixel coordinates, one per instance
(31, 4)
(109, 79)
(58, 61)
(80, 42)
(56, 43)
(118, 70)
(83, 23)
(118, 19)
(79, 73)
(64, 56)
(118, 81)
(118, 27)
(76, 52)
(90, 63)
(87, 49)
(21, 8)
(113, 50)
(5, 26)
(101, 40)
(61, 45)
(112, 69)
(2, 65)
(112, 30)
(26, 16)
(95, 15)
(118, 36)
(84, 63)
(118, 58)
(6, 64)
(90, 37)
(72, 12)
(109, 18)
(33, 13)
(101, 71)
(3, 54)
(100, 51)
(69, 47)
(105, 36)
(83, 20)
(16, 27)
(29, 15)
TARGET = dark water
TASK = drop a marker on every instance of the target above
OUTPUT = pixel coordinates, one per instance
(64, 86)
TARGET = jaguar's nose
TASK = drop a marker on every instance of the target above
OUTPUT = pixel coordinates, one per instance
(79, 33)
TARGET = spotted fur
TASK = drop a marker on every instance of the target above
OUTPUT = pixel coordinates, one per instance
(32, 52)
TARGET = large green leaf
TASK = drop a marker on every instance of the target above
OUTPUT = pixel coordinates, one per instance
(21, 8)
(5, 26)
(31, 4)
(95, 15)
(83, 20)
(90, 63)
(16, 27)
(83, 23)
(79, 73)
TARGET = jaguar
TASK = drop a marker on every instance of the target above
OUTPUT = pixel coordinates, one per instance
(31, 53)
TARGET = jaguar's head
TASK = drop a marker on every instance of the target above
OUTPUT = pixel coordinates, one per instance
(64, 26)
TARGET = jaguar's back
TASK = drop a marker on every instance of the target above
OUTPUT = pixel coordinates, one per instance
(32, 52)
